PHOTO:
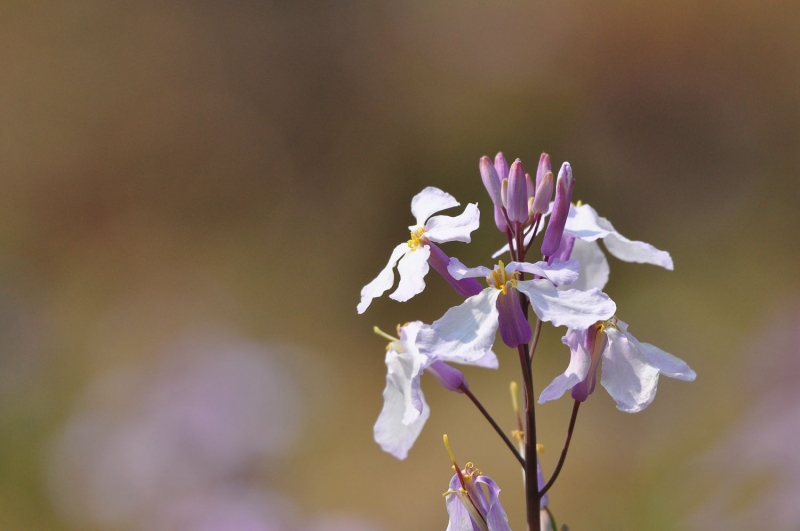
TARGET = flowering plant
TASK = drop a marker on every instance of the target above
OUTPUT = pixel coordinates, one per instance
(564, 288)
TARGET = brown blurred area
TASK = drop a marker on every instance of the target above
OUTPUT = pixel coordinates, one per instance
(177, 166)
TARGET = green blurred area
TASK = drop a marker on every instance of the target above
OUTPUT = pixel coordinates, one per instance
(166, 165)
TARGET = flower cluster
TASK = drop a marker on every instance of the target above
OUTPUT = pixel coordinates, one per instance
(564, 288)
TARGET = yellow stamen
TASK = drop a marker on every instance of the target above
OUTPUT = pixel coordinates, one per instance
(384, 335)
(539, 448)
(514, 402)
(416, 237)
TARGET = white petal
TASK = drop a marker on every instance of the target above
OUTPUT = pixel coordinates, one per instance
(395, 437)
(584, 223)
(627, 374)
(579, 363)
(558, 272)
(430, 201)
(412, 268)
(383, 281)
(668, 364)
(442, 229)
(487, 361)
(459, 519)
(466, 331)
(633, 251)
(459, 270)
(571, 308)
(594, 266)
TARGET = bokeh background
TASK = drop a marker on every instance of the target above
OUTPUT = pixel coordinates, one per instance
(193, 194)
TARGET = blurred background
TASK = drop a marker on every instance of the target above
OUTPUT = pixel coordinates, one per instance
(193, 194)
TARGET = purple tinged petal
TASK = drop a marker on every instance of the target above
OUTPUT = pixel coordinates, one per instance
(570, 308)
(383, 281)
(544, 192)
(583, 222)
(595, 346)
(543, 168)
(665, 362)
(496, 518)
(459, 270)
(441, 229)
(459, 519)
(390, 432)
(439, 261)
(501, 166)
(451, 378)
(487, 361)
(545, 500)
(636, 252)
(564, 250)
(579, 364)
(561, 207)
(490, 180)
(517, 199)
(557, 272)
(514, 327)
(627, 374)
(500, 219)
(412, 268)
(466, 331)
(430, 201)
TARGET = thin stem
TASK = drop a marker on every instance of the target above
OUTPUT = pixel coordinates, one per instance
(494, 424)
(563, 457)
(532, 495)
(535, 228)
(537, 333)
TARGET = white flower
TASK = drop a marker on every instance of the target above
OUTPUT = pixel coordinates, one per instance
(413, 255)
(630, 368)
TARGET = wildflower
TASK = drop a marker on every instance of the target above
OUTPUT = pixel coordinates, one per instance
(414, 257)
(470, 328)
(473, 500)
(404, 408)
(630, 368)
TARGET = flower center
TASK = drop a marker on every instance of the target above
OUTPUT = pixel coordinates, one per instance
(466, 478)
(416, 238)
(500, 278)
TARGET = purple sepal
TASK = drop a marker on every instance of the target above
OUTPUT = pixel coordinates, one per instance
(564, 187)
(438, 260)
(517, 200)
(545, 500)
(450, 377)
(514, 327)
(501, 166)
(564, 249)
(500, 219)
(544, 167)
(490, 180)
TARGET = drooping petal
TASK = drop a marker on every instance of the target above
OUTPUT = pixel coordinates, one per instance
(390, 432)
(514, 327)
(633, 251)
(570, 308)
(627, 374)
(496, 517)
(383, 281)
(583, 222)
(579, 363)
(404, 370)
(487, 361)
(668, 364)
(430, 201)
(460, 271)
(559, 273)
(412, 268)
(442, 229)
(594, 266)
(466, 331)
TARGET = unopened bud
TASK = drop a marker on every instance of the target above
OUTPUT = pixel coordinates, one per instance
(504, 192)
(501, 166)
(558, 219)
(544, 192)
(517, 198)
(543, 168)
(530, 187)
(500, 219)
(490, 180)
(451, 378)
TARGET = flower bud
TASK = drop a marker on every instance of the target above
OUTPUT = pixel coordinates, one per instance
(500, 219)
(544, 192)
(564, 187)
(501, 166)
(517, 198)
(529, 186)
(451, 378)
(490, 179)
(544, 167)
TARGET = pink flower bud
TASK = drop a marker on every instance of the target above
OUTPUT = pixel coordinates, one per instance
(544, 167)
(517, 198)
(490, 180)
(501, 166)
(500, 219)
(544, 192)
(564, 187)
(451, 378)
(529, 186)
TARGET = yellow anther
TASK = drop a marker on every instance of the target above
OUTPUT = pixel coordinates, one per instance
(416, 237)
(539, 448)
(579, 203)
(514, 401)
(518, 434)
